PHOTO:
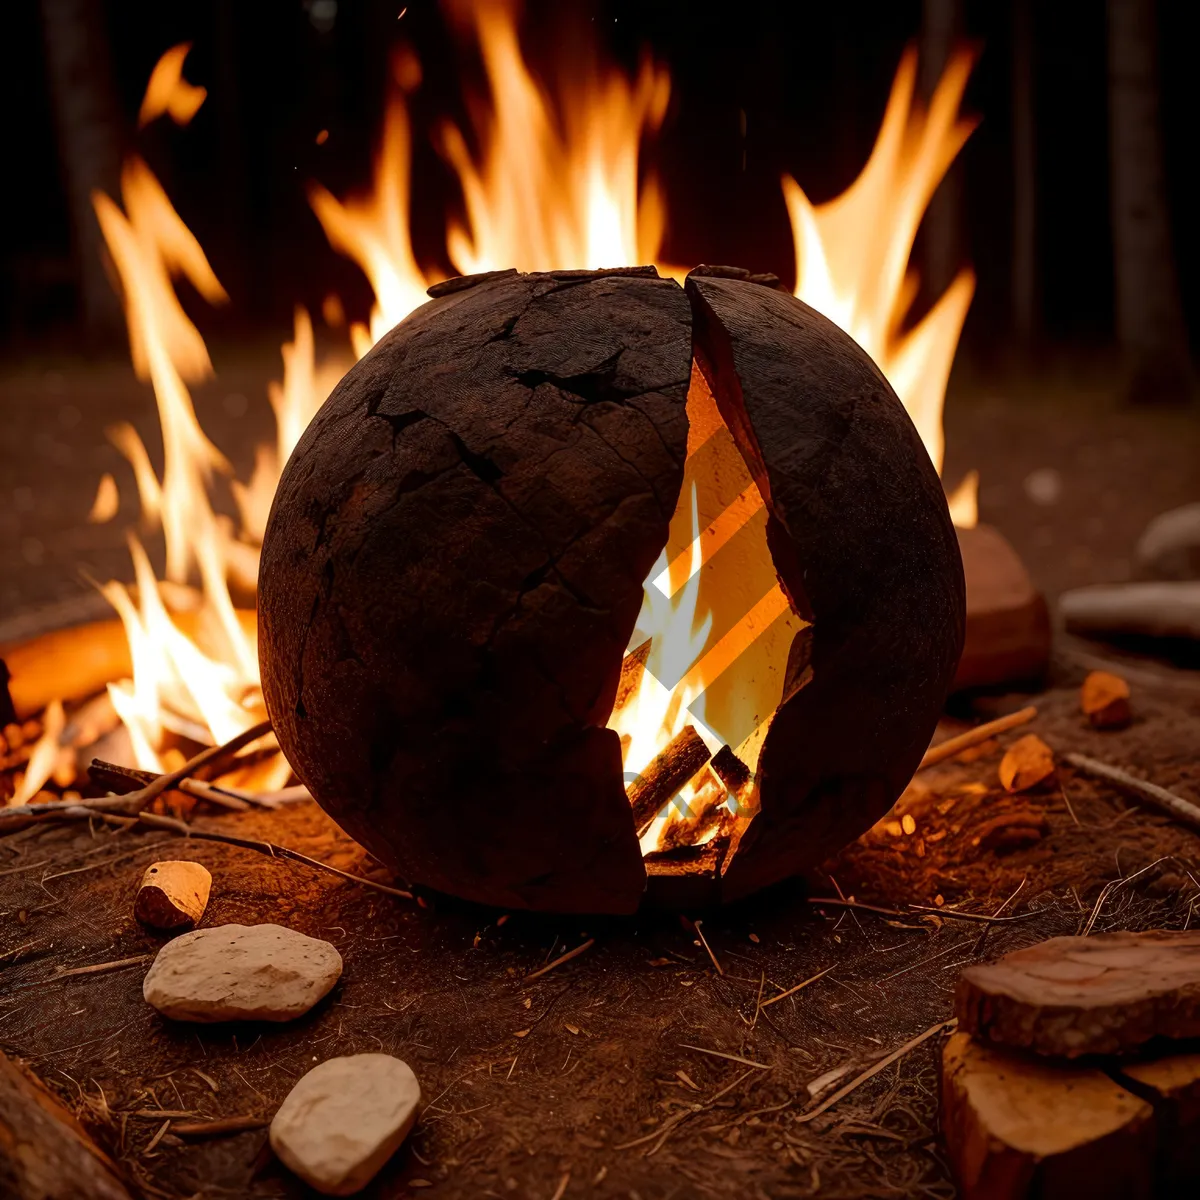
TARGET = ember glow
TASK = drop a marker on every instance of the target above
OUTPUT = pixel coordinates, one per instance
(555, 184)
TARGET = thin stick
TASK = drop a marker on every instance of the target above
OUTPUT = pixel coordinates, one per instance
(1168, 802)
(101, 968)
(218, 1128)
(973, 737)
(154, 821)
(887, 1061)
(792, 991)
(21, 815)
(708, 948)
(737, 1058)
(562, 958)
(954, 914)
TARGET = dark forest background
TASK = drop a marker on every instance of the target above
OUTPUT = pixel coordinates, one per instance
(1073, 198)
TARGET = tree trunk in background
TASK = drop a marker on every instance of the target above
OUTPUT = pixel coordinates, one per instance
(942, 229)
(89, 141)
(1024, 162)
(1149, 314)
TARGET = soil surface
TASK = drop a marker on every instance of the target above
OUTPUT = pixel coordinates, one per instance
(645, 1067)
(612, 1070)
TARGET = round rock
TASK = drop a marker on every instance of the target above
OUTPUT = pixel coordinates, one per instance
(173, 895)
(241, 973)
(345, 1119)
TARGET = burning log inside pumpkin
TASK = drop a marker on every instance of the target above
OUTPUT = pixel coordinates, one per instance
(530, 475)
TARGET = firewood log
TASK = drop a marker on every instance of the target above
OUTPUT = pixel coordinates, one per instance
(1105, 994)
(679, 761)
(44, 1152)
(1018, 1127)
(1172, 1085)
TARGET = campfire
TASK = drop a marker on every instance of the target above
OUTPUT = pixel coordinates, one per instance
(555, 186)
(580, 583)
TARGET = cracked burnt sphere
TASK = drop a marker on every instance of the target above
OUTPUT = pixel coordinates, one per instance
(584, 583)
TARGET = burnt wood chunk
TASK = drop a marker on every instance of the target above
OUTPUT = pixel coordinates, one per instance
(633, 666)
(44, 1151)
(452, 572)
(680, 760)
(865, 550)
(730, 769)
(1017, 1127)
(1105, 994)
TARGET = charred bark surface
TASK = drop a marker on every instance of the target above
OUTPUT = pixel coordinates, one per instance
(453, 570)
(864, 547)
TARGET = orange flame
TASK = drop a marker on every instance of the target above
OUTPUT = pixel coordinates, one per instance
(168, 91)
(555, 184)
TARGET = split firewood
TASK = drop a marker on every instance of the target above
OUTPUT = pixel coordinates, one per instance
(1016, 1127)
(633, 666)
(1026, 763)
(44, 1151)
(1104, 699)
(1105, 994)
(173, 895)
(1173, 1086)
(680, 760)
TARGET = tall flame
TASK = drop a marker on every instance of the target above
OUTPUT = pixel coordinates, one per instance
(853, 253)
(555, 183)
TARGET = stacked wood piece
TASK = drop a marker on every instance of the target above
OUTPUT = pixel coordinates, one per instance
(1036, 1101)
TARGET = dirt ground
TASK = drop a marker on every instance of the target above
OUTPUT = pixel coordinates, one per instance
(610, 1075)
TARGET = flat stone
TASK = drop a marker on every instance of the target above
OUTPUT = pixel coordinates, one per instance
(1169, 548)
(241, 973)
(1109, 993)
(345, 1119)
(1160, 610)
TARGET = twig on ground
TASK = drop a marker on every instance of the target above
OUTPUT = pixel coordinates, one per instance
(1168, 802)
(672, 1123)
(1111, 886)
(562, 958)
(101, 968)
(737, 1058)
(154, 821)
(886, 1061)
(218, 1128)
(132, 803)
(707, 947)
(793, 990)
(954, 914)
(973, 737)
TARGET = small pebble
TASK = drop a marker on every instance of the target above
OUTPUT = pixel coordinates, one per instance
(173, 895)
(344, 1120)
(1104, 699)
(1027, 762)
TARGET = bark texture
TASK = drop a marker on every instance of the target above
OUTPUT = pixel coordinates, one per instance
(1016, 1127)
(864, 549)
(1149, 312)
(44, 1152)
(1070, 996)
(453, 569)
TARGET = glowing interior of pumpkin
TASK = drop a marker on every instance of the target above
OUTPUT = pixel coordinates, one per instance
(719, 628)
